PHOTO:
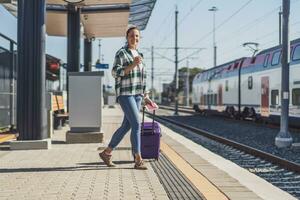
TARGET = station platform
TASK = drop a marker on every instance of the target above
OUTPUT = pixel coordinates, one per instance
(74, 171)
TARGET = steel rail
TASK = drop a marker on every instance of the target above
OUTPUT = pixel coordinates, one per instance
(268, 124)
(250, 150)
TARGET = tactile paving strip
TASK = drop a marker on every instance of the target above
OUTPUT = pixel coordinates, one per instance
(174, 182)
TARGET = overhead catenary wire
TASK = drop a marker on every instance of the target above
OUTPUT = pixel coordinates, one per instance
(235, 51)
(157, 31)
(247, 26)
(239, 32)
(181, 21)
(222, 24)
(257, 39)
(191, 10)
(244, 28)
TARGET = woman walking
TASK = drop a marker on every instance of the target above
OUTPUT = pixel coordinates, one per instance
(129, 73)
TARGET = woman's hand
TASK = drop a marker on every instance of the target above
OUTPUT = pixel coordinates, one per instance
(137, 60)
(147, 100)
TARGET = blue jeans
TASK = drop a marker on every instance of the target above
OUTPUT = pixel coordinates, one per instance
(130, 105)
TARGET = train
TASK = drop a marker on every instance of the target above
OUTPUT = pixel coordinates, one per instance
(250, 87)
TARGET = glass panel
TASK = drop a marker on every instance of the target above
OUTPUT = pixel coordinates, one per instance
(276, 58)
(250, 82)
(236, 65)
(266, 61)
(215, 99)
(274, 97)
(6, 93)
(296, 54)
(4, 44)
(296, 97)
(226, 86)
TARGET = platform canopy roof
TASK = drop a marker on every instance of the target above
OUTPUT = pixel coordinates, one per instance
(99, 18)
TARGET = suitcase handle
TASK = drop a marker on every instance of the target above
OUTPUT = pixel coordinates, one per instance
(145, 107)
(143, 120)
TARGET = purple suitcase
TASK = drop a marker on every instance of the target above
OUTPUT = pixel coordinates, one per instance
(150, 138)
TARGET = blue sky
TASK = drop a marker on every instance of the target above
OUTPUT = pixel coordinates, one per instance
(237, 22)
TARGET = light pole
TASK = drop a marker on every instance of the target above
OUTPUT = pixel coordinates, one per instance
(99, 45)
(214, 9)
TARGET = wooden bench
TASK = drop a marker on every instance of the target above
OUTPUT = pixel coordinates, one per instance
(7, 136)
(58, 108)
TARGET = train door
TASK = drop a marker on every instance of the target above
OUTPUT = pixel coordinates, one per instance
(201, 96)
(201, 99)
(220, 98)
(265, 110)
(220, 95)
(208, 100)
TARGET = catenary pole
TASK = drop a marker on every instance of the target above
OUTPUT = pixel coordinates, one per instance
(176, 62)
(284, 139)
(280, 26)
(187, 85)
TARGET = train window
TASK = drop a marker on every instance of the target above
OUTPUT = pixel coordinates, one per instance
(266, 61)
(226, 86)
(296, 53)
(296, 96)
(276, 58)
(207, 99)
(236, 65)
(250, 82)
(253, 60)
(215, 99)
(200, 77)
(274, 97)
(241, 63)
(209, 76)
(205, 76)
(219, 74)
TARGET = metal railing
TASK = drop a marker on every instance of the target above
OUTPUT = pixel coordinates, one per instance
(8, 79)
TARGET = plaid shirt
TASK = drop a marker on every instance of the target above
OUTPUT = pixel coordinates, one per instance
(133, 83)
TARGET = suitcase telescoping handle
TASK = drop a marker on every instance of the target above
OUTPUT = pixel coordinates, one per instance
(143, 120)
(144, 109)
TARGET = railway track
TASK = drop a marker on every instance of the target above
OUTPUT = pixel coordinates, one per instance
(278, 171)
(190, 110)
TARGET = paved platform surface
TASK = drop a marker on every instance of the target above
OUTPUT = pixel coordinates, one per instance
(74, 171)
